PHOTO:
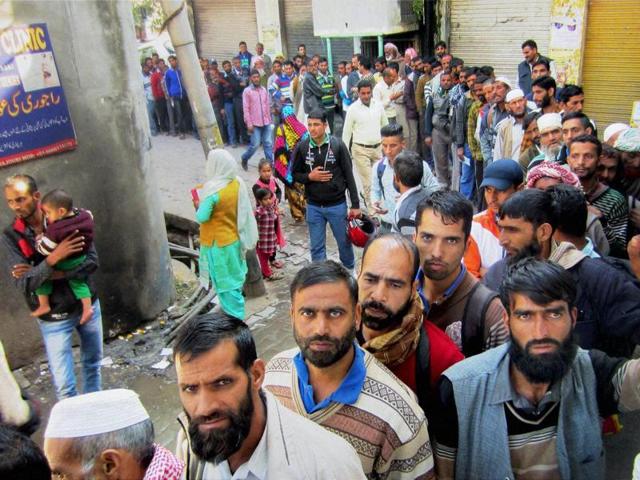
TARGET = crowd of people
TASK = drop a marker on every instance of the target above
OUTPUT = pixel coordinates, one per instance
(489, 331)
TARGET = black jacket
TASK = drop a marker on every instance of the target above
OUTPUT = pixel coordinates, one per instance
(337, 161)
(62, 300)
(608, 304)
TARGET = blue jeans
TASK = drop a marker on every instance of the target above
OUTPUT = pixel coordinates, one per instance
(260, 134)
(468, 176)
(57, 342)
(231, 123)
(151, 112)
(317, 218)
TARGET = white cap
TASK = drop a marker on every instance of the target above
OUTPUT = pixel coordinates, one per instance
(614, 128)
(549, 121)
(504, 80)
(95, 413)
(514, 95)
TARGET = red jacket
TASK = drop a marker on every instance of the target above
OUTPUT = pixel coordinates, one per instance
(156, 85)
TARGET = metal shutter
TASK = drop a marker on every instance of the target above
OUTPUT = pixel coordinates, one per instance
(298, 19)
(221, 25)
(490, 32)
(610, 72)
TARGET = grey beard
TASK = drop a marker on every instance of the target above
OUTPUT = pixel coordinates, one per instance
(551, 152)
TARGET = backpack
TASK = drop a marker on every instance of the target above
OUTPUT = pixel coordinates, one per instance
(380, 172)
(475, 310)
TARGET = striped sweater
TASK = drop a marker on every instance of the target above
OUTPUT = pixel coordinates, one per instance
(615, 211)
(385, 426)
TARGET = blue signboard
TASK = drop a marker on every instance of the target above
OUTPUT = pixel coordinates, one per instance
(34, 118)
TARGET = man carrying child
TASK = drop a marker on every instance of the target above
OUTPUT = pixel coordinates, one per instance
(29, 270)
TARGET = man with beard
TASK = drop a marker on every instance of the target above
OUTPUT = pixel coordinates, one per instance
(29, 270)
(231, 427)
(392, 329)
(544, 94)
(608, 205)
(509, 132)
(550, 130)
(452, 298)
(502, 179)
(331, 380)
(608, 299)
(517, 408)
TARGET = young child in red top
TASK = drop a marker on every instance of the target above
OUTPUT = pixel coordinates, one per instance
(267, 181)
(267, 219)
(62, 221)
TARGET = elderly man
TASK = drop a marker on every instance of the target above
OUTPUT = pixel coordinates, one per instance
(106, 435)
(331, 380)
(510, 132)
(231, 427)
(388, 91)
(534, 404)
(550, 128)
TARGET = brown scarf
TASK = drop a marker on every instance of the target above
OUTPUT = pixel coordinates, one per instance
(393, 348)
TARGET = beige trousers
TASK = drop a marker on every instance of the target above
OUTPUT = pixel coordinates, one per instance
(363, 159)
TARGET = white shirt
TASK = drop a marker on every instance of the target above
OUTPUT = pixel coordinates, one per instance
(254, 469)
(391, 195)
(364, 123)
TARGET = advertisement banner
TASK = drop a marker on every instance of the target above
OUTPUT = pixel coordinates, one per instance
(34, 118)
(567, 32)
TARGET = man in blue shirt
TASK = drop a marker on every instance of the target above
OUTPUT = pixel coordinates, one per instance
(173, 81)
(245, 56)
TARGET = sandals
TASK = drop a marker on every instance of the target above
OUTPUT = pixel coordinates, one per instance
(277, 264)
(275, 276)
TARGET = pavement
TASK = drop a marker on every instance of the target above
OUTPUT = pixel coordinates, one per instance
(139, 360)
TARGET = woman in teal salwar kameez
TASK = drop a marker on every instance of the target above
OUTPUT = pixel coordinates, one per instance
(227, 230)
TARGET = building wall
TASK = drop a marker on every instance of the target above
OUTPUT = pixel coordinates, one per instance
(109, 172)
(298, 26)
(611, 48)
(491, 32)
(222, 24)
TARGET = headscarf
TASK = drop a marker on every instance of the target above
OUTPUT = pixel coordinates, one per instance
(552, 170)
(628, 141)
(221, 169)
(411, 52)
(288, 134)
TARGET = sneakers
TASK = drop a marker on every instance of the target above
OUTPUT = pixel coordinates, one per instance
(245, 165)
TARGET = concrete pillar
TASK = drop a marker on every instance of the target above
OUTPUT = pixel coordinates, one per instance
(270, 31)
(329, 55)
(108, 173)
(357, 46)
(380, 46)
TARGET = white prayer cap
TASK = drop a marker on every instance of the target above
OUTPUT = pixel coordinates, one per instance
(514, 95)
(614, 128)
(95, 413)
(504, 80)
(549, 121)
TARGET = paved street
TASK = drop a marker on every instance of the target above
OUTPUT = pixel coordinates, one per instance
(177, 166)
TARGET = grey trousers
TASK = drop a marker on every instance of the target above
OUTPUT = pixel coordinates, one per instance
(441, 147)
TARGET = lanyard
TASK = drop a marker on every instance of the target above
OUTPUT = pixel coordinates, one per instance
(326, 157)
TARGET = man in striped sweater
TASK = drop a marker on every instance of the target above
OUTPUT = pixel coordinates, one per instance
(605, 202)
(332, 381)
